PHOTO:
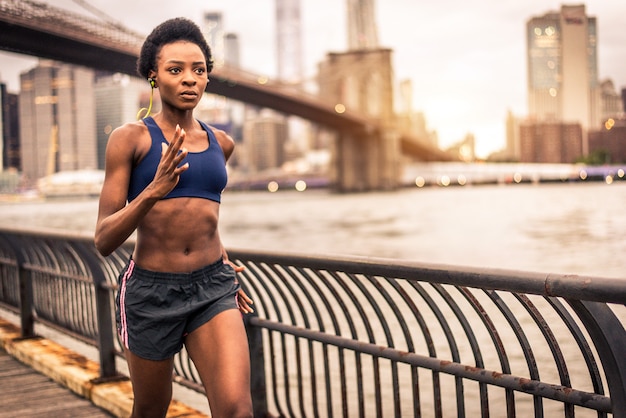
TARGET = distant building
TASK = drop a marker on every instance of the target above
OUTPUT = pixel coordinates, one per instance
(409, 121)
(610, 102)
(550, 142)
(512, 151)
(9, 126)
(265, 139)
(362, 28)
(57, 119)
(236, 110)
(213, 30)
(465, 149)
(214, 109)
(563, 67)
(289, 41)
(118, 99)
(610, 141)
(232, 54)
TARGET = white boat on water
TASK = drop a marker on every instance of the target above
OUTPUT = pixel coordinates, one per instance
(71, 183)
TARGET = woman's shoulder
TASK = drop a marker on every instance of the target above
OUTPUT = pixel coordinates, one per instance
(130, 128)
(130, 132)
(226, 141)
(130, 140)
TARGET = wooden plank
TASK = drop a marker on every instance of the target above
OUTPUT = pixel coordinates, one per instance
(29, 394)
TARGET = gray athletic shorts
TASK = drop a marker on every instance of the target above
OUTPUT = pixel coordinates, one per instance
(155, 311)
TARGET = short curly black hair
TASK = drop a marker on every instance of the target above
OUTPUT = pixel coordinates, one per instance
(172, 30)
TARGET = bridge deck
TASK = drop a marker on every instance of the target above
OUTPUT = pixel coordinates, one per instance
(25, 392)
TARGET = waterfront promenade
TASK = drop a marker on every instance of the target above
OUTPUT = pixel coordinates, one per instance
(40, 378)
(26, 393)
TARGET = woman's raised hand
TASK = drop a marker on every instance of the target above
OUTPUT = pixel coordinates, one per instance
(169, 169)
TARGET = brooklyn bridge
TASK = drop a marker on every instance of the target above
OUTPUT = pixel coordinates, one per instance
(370, 145)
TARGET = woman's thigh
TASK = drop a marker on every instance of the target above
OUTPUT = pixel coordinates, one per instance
(152, 384)
(219, 350)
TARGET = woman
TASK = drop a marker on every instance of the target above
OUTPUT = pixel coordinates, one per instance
(164, 178)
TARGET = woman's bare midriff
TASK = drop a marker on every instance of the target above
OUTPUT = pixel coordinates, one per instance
(179, 235)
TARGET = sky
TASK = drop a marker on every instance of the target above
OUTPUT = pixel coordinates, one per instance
(466, 59)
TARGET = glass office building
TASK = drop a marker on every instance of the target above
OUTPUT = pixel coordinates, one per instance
(563, 67)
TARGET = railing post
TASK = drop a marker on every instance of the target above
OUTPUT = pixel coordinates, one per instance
(609, 338)
(258, 383)
(27, 315)
(106, 347)
(25, 280)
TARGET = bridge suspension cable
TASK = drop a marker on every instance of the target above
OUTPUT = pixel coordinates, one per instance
(99, 13)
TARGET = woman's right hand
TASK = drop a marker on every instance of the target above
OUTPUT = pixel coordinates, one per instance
(169, 170)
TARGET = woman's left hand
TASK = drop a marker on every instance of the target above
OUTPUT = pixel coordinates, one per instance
(244, 302)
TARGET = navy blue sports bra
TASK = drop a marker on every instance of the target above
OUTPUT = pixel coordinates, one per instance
(205, 178)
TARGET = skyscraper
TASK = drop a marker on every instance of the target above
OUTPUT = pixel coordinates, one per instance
(9, 127)
(118, 98)
(289, 41)
(213, 29)
(362, 29)
(57, 119)
(215, 108)
(232, 55)
(563, 67)
(266, 137)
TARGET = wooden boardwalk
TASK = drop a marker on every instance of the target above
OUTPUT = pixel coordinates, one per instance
(26, 393)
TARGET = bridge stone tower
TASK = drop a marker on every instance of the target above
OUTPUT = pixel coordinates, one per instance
(361, 81)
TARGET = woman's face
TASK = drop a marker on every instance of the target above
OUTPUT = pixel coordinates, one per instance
(181, 74)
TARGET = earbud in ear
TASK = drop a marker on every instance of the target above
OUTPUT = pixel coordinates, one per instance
(152, 82)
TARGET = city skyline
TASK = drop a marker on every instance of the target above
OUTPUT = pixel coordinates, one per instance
(465, 79)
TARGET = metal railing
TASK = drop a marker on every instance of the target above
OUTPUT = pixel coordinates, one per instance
(367, 337)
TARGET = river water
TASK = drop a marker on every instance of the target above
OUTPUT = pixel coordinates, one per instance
(573, 228)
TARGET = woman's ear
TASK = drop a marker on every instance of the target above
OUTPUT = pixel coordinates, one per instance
(152, 79)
